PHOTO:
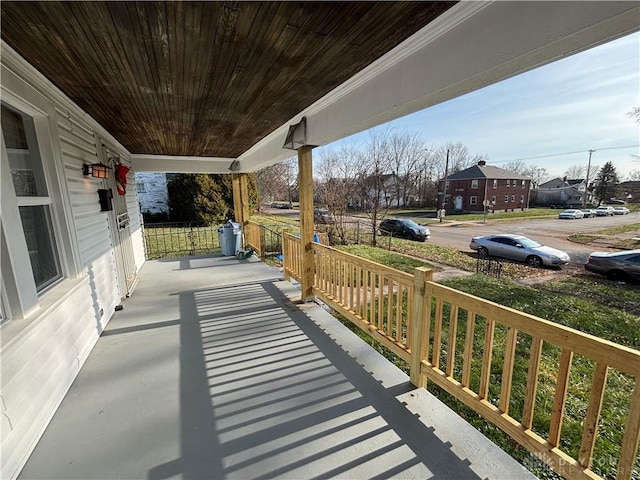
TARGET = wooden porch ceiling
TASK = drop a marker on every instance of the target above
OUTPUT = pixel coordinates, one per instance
(204, 78)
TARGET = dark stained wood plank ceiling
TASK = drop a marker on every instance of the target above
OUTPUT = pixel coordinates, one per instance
(204, 78)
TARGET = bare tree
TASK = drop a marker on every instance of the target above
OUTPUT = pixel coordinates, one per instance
(407, 156)
(337, 186)
(277, 182)
(634, 175)
(575, 172)
(373, 178)
(538, 175)
(516, 166)
(459, 158)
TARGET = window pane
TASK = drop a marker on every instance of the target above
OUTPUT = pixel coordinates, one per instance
(45, 265)
(24, 157)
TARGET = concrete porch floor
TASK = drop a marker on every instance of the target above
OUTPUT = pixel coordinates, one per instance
(210, 371)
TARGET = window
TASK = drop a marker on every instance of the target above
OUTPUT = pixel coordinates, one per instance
(493, 200)
(474, 183)
(513, 199)
(504, 241)
(141, 187)
(521, 198)
(473, 200)
(32, 197)
(506, 199)
(508, 183)
(495, 183)
(523, 183)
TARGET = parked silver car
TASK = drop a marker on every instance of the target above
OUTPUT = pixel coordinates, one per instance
(588, 212)
(572, 214)
(519, 248)
(620, 210)
(616, 265)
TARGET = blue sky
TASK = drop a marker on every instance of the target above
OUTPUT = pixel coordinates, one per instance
(572, 105)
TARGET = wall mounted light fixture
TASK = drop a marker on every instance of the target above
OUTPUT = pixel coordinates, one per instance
(96, 170)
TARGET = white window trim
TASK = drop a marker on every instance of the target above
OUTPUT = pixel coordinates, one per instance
(495, 183)
(23, 299)
(473, 200)
(513, 199)
(474, 184)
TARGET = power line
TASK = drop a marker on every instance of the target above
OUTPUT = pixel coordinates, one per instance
(562, 154)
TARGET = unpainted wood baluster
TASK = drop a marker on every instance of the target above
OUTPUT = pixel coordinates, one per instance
(507, 369)
(532, 382)
(485, 374)
(560, 396)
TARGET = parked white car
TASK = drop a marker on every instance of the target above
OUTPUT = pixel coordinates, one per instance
(620, 210)
(604, 211)
(572, 214)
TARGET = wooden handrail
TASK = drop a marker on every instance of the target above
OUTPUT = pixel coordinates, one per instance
(399, 309)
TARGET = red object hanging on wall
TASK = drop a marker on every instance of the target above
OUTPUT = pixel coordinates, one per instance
(121, 178)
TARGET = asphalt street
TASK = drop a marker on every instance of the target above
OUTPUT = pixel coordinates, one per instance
(548, 231)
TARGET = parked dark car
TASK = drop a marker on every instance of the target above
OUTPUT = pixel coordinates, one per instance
(322, 215)
(623, 266)
(404, 228)
(284, 205)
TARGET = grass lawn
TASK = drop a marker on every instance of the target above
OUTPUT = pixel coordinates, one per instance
(629, 243)
(429, 216)
(163, 242)
(584, 302)
(276, 220)
(390, 259)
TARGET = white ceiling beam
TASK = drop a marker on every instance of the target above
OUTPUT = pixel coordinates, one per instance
(472, 45)
(180, 164)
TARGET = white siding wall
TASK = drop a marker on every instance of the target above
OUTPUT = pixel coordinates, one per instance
(137, 229)
(155, 197)
(42, 354)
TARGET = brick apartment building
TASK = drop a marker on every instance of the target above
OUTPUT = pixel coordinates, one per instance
(468, 189)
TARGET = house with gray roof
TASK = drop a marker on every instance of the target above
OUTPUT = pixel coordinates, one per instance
(482, 185)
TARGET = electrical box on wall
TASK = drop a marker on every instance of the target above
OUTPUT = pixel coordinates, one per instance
(105, 196)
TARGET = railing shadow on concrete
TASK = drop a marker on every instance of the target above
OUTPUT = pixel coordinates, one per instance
(265, 394)
(450, 338)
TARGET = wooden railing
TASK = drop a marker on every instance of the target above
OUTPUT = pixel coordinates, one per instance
(474, 349)
(291, 251)
(373, 296)
(495, 393)
(253, 237)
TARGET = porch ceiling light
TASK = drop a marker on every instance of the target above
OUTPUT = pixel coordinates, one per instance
(297, 136)
(96, 170)
(235, 166)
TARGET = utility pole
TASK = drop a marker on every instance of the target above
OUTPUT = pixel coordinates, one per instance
(586, 187)
(444, 193)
